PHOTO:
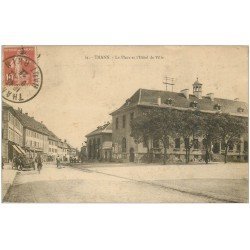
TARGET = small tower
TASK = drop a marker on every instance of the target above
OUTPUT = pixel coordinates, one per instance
(197, 89)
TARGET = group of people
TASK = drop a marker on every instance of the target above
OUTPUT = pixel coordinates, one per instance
(18, 162)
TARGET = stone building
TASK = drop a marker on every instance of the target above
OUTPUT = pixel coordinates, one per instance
(35, 136)
(99, 143)
(124, 147)
(12, 133)
(22, 134)
(53, 146)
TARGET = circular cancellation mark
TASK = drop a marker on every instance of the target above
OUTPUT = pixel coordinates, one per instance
(22, 79)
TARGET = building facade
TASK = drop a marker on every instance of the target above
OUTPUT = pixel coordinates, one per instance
(125, 149)
(12, 133)
(99, 143)
(22, 134)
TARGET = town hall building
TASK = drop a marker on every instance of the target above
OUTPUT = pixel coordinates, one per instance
(126, 150)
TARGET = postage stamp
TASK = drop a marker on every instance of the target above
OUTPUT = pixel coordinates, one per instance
(22, 77)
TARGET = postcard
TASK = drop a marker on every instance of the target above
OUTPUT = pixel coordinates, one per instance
(124, 124)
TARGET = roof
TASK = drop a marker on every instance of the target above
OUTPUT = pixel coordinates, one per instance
(31, 123)
(69, 146)
(104, 129)
(52, 136)
(146, 97)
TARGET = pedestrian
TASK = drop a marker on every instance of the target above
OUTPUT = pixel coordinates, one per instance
(57, 161)
(2, 163)
(39, 163)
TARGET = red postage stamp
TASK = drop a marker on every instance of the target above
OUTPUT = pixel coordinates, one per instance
(22, 77)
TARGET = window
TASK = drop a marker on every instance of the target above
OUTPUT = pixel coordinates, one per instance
(186, 141)
(231, 146)
(156, 143)
(177, 143)
(167, 142)
(124, 121)
(116, 123)
(216, 148)
(223, 145)
(169, 101)
(245, 146)
(196, 144)
(240, 110)
(131, 116)
(194, 104)
(145, 144)
(217, 106)
(124, 145)
(238, 147)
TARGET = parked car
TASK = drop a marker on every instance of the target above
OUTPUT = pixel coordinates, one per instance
(27, 163)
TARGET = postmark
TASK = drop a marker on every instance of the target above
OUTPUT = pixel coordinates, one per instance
(22, 77)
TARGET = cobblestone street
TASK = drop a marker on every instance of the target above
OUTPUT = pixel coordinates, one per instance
(132, 183)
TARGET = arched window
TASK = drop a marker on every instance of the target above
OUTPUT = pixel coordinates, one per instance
(124, 146)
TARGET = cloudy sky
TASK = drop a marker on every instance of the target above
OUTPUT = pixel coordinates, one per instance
(80, 88)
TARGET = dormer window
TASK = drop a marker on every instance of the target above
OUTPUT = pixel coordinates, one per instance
(217, 107)
(194, 104)
(169, 101)
(128, 101)
(240, 110)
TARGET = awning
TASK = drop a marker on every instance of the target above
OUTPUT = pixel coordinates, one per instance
(17, 149)
(23, 152)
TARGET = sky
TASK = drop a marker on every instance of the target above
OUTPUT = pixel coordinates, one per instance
(82, 85)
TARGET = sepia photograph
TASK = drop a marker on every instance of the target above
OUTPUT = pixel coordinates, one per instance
(125, 124)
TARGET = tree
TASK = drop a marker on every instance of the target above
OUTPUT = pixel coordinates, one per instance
(188, 128)
(156, 124)
(231, 130)
(141, 130)
(163, 126)
(209, 125)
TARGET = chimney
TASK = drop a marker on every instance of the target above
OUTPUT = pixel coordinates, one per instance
(236, 99)
(211, 96)
(159, 101)
(185, 92)
(42, 122)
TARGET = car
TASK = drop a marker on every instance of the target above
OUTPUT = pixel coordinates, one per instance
(27, 163)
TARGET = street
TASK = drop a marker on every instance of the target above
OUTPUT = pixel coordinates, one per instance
(132, 183)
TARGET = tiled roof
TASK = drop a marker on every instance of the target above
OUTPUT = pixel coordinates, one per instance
(52, 136)
(31, 123)
(106, 128)
(69, 146)
(145, 97)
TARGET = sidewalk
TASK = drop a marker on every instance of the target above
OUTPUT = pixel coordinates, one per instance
(8, 176)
